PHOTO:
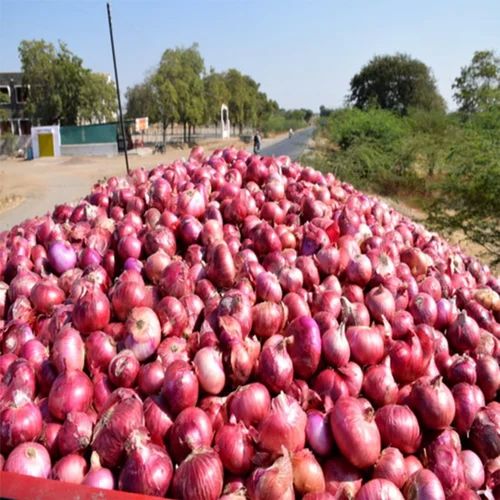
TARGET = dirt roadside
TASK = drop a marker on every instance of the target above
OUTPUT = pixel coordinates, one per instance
(30, 188)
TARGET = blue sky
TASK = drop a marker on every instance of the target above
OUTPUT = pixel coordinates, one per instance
(303, 52)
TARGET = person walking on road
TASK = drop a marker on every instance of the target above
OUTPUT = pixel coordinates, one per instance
(256, 142)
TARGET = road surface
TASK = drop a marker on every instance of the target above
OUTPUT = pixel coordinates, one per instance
(292, 147)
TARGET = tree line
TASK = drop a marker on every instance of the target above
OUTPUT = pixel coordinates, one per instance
(180, 90)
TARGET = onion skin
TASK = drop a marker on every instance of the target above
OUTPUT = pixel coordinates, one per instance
(318, 433)
(70, 469)
(307, 474)
(250, 404)
(445, 462)
(181, 387)
(485, 432)
(379, 488)
(143, 332)
(355, 432)
(305, 346)
(200, 475)
(468, 400)
(423, 485)
(275, 369)
(235, 447)
(473, 469)
(29, 459)
(274, 482)
(341, 479)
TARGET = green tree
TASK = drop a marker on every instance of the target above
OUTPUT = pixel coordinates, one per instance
(97, 99)
(141, 101)
(235, 83)
(216, 94)
(478, 86)
(396, 83)
(4, 99)
(55, 78)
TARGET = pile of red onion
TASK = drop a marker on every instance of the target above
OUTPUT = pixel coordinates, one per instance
(236, 326)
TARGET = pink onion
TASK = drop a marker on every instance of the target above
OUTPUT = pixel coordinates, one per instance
(235, 447)
(391, 465)
(143, 332)
(380, 303)
(61, 256)
(379, 385)
(29, 459)
(473, 469)
(488, 376)
(422, 485)
(379, 488)
(335, 346)
(101, 349)
(92, 311)
(180, 387)
(70, 469)
(68, 351)
(307, 473)
(463, 334)
(275, 368)
(75, 434)
(250, 404)
(209, 369)
(318, 433)
(355, 432)
(366, 344)
(97, 476)
(341, 478)
(485, 432)
(305, 346)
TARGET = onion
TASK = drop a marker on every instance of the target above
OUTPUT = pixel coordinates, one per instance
(433, 403)
(307, 474)
(341, 478)
(318, 433)
(267, 287)
(412, 464)
(355, 432)
(366, 344)
(463, 334)
(122, 416)
(380, 303)
(176, 281)
(143, 332)
(275, 368)
(15, 336)
(48, 438)
(335, 346)
(379, 385)
(461, 369)
(485, 432)
(391, 465)
(423, 309)
(285, 425)
(473, 469)
(71, 391)
(20, 421)
(70, 469)
(220, 268)
(488, 376)
(235, 447)
(45, 295)
(445, 462)
(422, 485)
(29, 459)
(305, 346)
(250, 404)
(172, 315)
(275, 481)
(123, 369)
(61, 256)
(100, 350)
(398, 427)
(148, 470)
(97, 476)
(200, 475)
(92, 311)
(75, 434)
(180, 387)
(126, 295)
(34, 352)
(21, 376)
(379, 488)
(468, 400)
(359, 270)
(150, 377)
(157, 418)
(68, 351)
(296, 306)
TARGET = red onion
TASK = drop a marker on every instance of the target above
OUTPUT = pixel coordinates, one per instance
(68, 351)
(150, 377)
(366, 344)
(485, 432)
(296, 306)
(341, 478)
(220, 268)
(29, 459)
(379, 488)
(423, 309)
(157, 418)
(180, 387)
(209, 369)
(305, 346)
(15, 336)
(92, 311)
(97, 476)
(307, 473)
(70, 469)
(318, 433)
(75, 433)
(488, 376)
(123, 369)
(250, 404)
(275, 368)
(413, 465)
(143, 332)
(268, 319)
(328, 260)
(285, 425)
(445, 462)
(379, 385)
(433, 403)
(398, 427)
(275, 481)
(20, 375)
(20, 421)
(355, 432)
(461, 369)
(235, 448)
(45, 295)
(380, 303)
(423, 485)
(61, 256)
(267, 287)
(48, 438)
(148, 470)
(125, 296)
(391, 465)
(121, 417)
(101, 349)
(176, 281)
(200, 475)
(473, 469)
(359, 270)
(463, 334)
(34, 352)
(172, 315)
(335, 346)
(71, 391)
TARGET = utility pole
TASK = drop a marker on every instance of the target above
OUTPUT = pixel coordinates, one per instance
(122, 126)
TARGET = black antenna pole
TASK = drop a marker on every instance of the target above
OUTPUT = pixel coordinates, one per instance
(118, 88)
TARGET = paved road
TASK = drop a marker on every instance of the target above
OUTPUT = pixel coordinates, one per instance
(292, 147)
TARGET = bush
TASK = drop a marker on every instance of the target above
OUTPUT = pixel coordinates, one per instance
(8, 144)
